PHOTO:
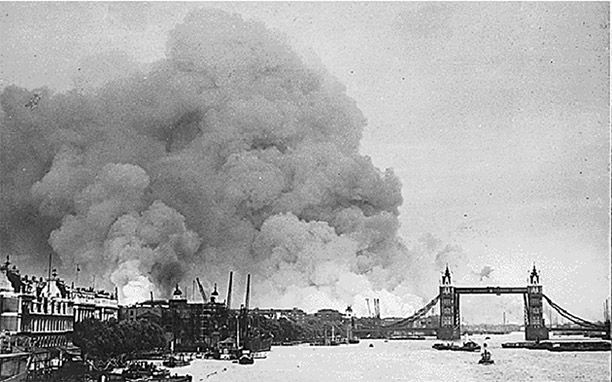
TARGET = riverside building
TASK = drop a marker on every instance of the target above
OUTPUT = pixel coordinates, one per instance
(189, 326)
(37, 312)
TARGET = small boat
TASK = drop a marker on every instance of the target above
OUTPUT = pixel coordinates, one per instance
(447, 346)
(486, 358)
(467, 346)
(246, 358)
(173, 361)
(486, 361)
(143, 372)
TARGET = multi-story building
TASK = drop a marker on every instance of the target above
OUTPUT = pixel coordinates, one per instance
(329, 315)
(38, 312)
(97, 304)
(41, 312)
(188, 325)
(152, 310)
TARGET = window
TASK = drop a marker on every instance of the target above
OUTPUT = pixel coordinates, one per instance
(9, 323)
(10, 304)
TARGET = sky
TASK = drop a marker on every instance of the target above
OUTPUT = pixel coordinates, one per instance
(495, 116)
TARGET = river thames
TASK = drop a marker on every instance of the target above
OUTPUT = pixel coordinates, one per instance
(407, 361)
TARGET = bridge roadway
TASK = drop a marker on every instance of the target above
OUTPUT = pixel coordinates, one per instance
(491, 290)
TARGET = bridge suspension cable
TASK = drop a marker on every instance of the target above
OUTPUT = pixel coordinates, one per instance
(575, 319)
(418, 314)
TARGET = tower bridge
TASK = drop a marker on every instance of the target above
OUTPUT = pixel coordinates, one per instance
(449, 325)
(450, 318)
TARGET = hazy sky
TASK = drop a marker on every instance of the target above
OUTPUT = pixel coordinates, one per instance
(495, 116)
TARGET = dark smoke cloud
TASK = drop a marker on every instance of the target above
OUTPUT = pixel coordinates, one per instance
(229, 154)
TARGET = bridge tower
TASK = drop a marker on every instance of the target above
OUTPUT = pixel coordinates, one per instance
(449, 310)
(535, 328)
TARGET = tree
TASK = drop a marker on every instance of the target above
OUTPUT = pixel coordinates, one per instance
(107, 339)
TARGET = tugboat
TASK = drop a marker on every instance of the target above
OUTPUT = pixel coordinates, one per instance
(246, 358)
(468, 346)
(485, 359)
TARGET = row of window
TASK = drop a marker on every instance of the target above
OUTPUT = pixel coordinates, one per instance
(40, 324)
(50, 307)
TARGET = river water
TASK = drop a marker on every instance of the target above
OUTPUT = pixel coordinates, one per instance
(407, 361)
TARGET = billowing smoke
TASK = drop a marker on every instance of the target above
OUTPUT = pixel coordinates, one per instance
(230, 153)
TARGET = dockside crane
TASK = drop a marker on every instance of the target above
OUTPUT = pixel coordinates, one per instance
(201, 288)
(228, 301)
(247, 296)
(244, 314)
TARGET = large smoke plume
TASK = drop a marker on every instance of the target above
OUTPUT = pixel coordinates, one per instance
(231, 153)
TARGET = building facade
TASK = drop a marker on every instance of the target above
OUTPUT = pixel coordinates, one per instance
(188, 326)
(97, 304)
(41, 312)
(329, 315)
